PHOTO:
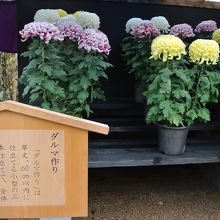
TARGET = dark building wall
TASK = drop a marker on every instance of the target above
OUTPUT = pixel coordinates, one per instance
(113, 18)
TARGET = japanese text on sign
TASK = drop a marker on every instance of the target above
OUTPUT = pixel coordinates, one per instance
(28, 159)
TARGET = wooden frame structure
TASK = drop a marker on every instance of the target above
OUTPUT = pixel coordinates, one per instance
(188, 3)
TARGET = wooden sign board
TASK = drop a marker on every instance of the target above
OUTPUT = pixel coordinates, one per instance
(43, 162)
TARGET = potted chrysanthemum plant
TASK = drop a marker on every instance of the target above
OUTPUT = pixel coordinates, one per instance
(136, 48)
(177, 95)
(86, 51)
(44, 75)
(68, 60)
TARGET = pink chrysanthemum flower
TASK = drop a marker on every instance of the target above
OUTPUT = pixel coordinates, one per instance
(145, 30)
(93, 39)
(44, 30)
(206, 26)
(182, 31)
(70, 30)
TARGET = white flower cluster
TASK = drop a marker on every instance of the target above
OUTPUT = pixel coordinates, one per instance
(161, 23)
(132, 23)
(67, 18)
(87, 19)
(47, 15)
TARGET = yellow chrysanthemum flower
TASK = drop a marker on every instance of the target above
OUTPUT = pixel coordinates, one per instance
(167, 47)
(77, 13)
(216, 35)
(62, 12)
(204, 51)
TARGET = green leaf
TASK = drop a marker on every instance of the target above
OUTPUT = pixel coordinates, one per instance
(214, 77)
(26, 90)
(82, 96)
(205, 83)
(165, 74)
(74, 87)
(204, 98)
(47, 69)
(33, 64)
(180, 107)
(192, 114)
(34, 97)
(45, 105)
(84, 82)
(59, 74)
(176, 119)
(103, 74)
(27, 54)
(49, 85)
(97, 94)
(35, 79)
(204, 114)
(93, 74)
(179, 93)
(153, 112)
(165, 87)
(166, 107)
(104, 64)
(181, 74)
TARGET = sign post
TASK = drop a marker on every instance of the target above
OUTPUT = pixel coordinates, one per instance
(43, 162)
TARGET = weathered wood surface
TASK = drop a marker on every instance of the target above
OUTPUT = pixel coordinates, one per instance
(52, 116)
(190, 3)
(128, 157)
(75, 162)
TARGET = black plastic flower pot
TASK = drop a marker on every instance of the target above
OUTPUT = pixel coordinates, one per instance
(172, 140)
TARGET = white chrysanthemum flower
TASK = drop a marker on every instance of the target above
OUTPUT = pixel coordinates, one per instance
(161, 23)
(132, 23)
(87, 19)
(146, 21)
(68, 18)
(47, 15)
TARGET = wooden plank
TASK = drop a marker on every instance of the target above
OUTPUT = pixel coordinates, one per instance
(144, 143)
(189, 3)
(128, 157)
(147, 128)
(54, 116)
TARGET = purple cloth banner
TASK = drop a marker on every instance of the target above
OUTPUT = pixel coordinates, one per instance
(8, 27)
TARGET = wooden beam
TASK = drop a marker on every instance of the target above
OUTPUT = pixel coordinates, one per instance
(139, 156)
(52, 116)
(188, 3)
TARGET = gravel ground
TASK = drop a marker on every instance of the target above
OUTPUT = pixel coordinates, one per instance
(157, 193)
